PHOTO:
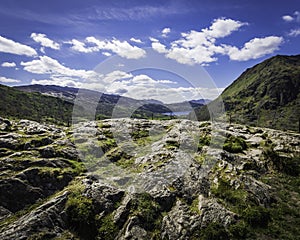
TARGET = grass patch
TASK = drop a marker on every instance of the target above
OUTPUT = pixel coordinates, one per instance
(80, 214)
(235, 197)
(147, 211)
(194, 207)
(235, 144)
(108, 229)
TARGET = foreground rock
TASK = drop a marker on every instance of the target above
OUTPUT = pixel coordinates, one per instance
(140, 179)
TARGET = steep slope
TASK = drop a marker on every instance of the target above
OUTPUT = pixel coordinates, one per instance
(247, 189)
(266, 95)
(33, 106)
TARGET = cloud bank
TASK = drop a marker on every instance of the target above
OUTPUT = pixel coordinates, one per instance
(200, 47)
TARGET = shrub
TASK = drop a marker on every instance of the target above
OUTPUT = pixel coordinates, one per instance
(80, 215)
(108, 230)
(226, 192)
(257, 216)
(147, 210)
(235, 144)
(214, 231)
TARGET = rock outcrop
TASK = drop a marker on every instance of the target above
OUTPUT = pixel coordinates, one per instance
(141, 179)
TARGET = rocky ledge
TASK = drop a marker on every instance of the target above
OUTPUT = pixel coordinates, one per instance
(141, 179)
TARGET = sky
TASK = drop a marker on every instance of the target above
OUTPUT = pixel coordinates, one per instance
(170, 50)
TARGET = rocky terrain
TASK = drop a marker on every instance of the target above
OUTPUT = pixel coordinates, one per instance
(143, 179)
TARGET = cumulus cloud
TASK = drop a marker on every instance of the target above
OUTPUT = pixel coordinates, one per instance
(287, 18)
(255, 48)
(294, 32)
(122, 48)
(107, 54)
(8, 80)
(116, 75)
(81, 46)
(61, 75)
(165, 32)
(10, 46)
(157, 46)
(58, 82)
(136, 40)
(294, 18)
(44, 41)
(200, 47)
(222, 27)
(8, 64)
(144, 87)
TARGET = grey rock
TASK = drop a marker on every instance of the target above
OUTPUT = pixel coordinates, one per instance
(211, 211)
(47, 218)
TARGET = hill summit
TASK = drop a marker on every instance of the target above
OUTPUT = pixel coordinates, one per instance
(266, 95)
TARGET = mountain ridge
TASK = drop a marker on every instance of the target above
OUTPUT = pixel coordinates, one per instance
(265, 95)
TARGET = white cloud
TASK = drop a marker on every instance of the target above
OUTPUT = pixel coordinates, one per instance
(144, 87)
(223, 27)
(136, 40)
(116, 75)
(44, 41)
(287, 18)
(165, 32)
(122, 48)
(81, 47)
(294, 32)
(57, 82)
(152, 39)
(10, 46)
(8, 80)
(61, 75)
(294, 18)
(8, 64)
(255, 48)
(200, 47)
(157, 46)
(107, 54)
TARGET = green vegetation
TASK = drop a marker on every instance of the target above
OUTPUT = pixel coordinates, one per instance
(257, 216)
(194, 207)
(108, 229)
(265, 95)
(147, 211)
(81, 213)
(235, 144)
(214, 231)
(34, 106)
(236, 197)
(172, 144)
(287, 165)
(204, 141)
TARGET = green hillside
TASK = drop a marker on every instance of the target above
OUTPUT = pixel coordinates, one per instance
(265, 95)
(33, 106)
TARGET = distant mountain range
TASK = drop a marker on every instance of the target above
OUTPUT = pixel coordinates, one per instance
(266, 95)
(55, 103)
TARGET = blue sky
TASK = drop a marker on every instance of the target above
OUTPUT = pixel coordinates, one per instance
(74, 43)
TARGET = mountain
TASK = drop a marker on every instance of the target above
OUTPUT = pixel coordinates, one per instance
(55, 104)
(33, 106)
(66, 93)
(108, 102)
(140, 179)
(201, 101)
(266, 95)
